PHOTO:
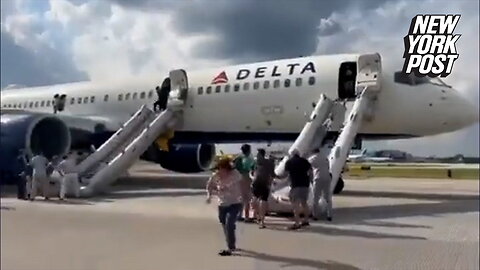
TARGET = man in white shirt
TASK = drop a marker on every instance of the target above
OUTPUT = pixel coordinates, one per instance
(69, 176)
(321, 181)
(39, 176)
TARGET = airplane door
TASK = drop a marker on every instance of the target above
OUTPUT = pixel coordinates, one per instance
(369, 72)
(346, 81)
(178, 87)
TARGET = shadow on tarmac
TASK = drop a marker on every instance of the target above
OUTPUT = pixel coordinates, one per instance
(296, 262)
(363, 214)
(318, 228)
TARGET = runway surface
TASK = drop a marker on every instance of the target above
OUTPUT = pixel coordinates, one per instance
(378, 224)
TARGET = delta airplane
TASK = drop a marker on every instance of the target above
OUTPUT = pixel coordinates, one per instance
(259, 102)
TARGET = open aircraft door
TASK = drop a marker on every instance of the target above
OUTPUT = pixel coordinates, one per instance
(179, 88)
(369, 69)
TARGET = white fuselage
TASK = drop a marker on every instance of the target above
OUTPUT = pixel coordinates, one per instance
(401, 109)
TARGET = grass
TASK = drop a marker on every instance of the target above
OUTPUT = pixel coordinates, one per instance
(413, 172)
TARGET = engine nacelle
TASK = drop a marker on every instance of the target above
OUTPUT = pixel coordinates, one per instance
(184, 158)
(33, 133)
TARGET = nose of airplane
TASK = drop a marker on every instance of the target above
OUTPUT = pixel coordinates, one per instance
(468, 113)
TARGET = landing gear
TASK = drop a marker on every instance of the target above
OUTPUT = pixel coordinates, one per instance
(339, 187)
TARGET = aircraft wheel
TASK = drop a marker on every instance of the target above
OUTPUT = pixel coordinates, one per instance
(339, 187)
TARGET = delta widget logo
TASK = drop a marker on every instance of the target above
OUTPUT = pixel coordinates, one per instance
(430, 46)
(220, 78)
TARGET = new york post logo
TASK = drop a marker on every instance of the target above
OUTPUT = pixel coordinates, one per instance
(430, 45)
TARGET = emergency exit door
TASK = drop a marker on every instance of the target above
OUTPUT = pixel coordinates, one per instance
(178, 87)
(369, 72)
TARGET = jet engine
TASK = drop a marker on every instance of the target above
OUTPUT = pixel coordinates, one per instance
(34, 134)
(184, 158)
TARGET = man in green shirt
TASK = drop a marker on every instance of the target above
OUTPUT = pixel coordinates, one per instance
(245, 164)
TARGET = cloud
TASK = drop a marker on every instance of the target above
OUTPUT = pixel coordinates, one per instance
(28, 55)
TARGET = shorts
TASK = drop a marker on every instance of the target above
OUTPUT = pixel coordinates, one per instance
(299, 194)
(261, 191)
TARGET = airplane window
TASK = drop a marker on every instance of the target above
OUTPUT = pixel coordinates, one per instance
(105, 98)
(200, 90)
(31, 105)
(266, 84)
(85, 100)
(25, 104)
(311, 80)
(276, 83)
(227, 88)
(209, 90)
(15, 106)
(287, 83)
(236, 87)
(134, 96)
(120, 97)
(142, 95)
(48, 102)
(298, 82)
(72, 101)
(36, 104)
(150, 94)
(246, 86)
(92, 99)
(127, 96)
(79, 100)
(217, 89)
(42, 103)
(256, 85)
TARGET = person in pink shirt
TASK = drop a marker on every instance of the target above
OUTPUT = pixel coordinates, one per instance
(225, 184)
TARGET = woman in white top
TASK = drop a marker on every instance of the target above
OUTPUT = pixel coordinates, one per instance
(226, 185)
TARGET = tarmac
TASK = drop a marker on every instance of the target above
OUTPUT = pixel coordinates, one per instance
(158, 220)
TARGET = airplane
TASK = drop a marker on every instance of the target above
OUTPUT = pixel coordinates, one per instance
(259, 102)
(364, 156)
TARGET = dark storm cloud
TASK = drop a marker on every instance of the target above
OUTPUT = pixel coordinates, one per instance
(256, 29)
(253, 30)
(21, 66)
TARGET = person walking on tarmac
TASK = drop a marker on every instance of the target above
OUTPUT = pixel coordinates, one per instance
(245, 164)
(262, 180)
(298, 170)
(69, 176)
(321, 181)
(39, 164)
(226, 185)
(23, 177)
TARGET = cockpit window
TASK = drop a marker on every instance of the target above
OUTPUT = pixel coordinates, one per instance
(409, 79)
(412, 79)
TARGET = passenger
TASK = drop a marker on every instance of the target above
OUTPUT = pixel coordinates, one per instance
(226, 185)
(69, 176)
(157, 102)
(262, 180)
(22, 180)
(244, 163)
(39, 164)
(298, 170)
(163, 95)
(321, 182)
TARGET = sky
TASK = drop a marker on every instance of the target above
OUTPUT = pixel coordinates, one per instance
(55, 41)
